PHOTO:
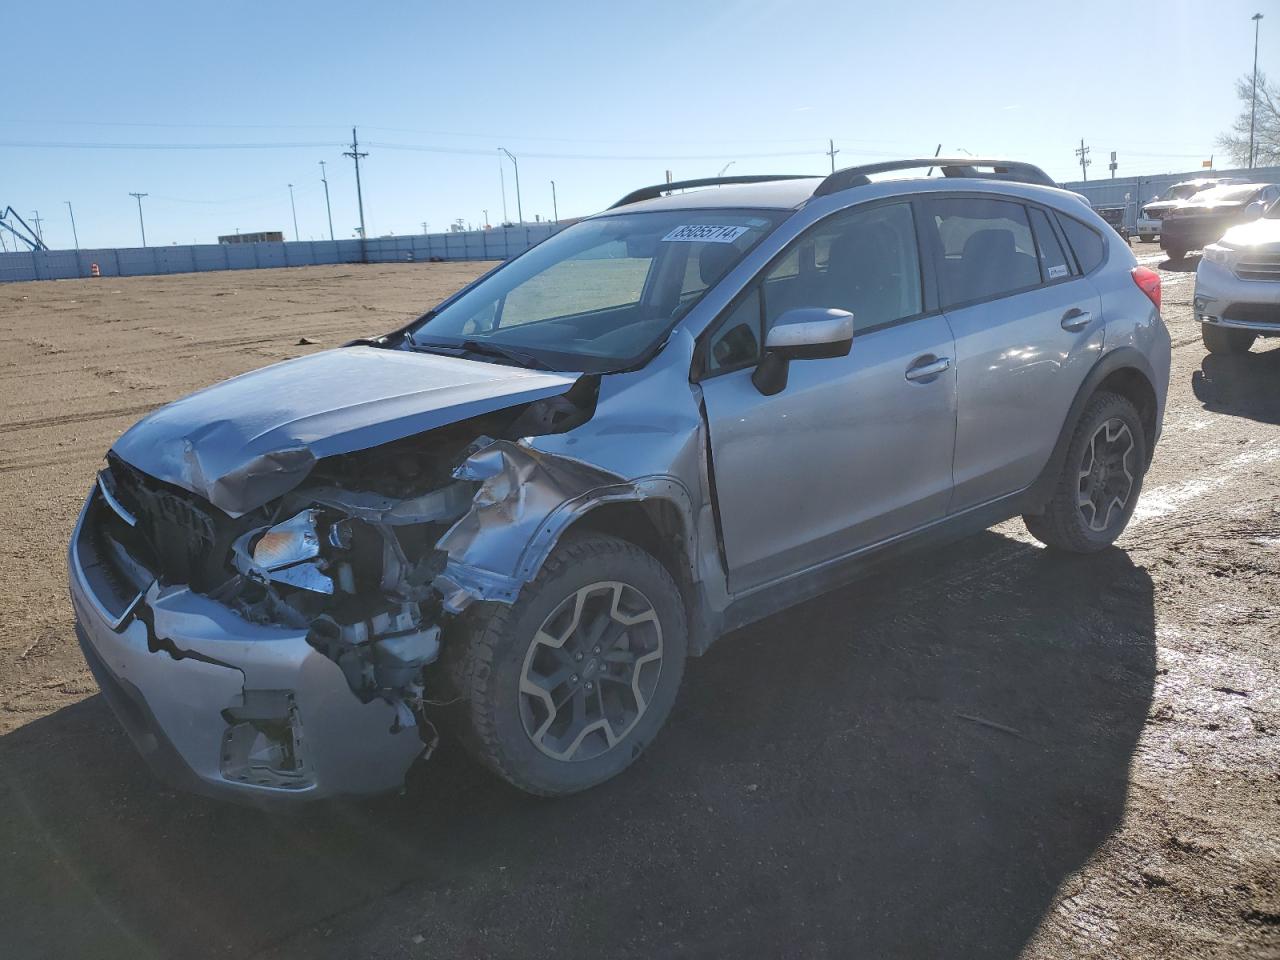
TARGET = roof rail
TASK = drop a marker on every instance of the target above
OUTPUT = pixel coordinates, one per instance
(951, 167)
(658, 189)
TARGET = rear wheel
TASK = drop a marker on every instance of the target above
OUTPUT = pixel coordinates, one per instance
(571, 682)
(1176, 253)
(1226, 340)
(1146, 237)
(1101, 478)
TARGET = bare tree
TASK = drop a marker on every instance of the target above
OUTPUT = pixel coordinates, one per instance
(1266, 128)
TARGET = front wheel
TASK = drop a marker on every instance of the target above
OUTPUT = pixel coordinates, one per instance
(571, 682)
(1226, 340)
(1101, 478)
(1176, 254)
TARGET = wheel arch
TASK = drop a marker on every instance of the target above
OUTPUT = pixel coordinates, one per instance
(1125, 371)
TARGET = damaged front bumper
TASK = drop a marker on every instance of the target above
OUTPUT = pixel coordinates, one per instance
(222, 706)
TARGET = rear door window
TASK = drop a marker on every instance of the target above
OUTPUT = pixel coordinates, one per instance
(1088, 245)
(985, 248)
(1054, 262)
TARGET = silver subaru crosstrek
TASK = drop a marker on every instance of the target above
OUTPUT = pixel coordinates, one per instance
(519, 514)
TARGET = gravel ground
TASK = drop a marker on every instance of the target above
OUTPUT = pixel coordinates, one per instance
(989, 751)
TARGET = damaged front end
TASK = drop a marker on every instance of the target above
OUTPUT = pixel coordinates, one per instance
(287, 646)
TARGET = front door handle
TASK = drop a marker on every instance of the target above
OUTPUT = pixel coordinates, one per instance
(926, 368)
(1076, 319)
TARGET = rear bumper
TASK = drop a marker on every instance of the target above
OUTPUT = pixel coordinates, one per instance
(1224, 300)
(213, 702)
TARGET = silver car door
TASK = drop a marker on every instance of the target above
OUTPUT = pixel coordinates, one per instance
(1027, 327)
(854, 450)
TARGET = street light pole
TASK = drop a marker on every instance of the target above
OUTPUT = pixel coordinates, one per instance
(74, 235)
(1253, 104)
(555, 210)
(516, 164)
(327, 209)
(294, 208)
(486, 219)
(141, 226)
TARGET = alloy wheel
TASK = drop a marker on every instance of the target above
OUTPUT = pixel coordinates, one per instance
(591, 671)
(1106, 474)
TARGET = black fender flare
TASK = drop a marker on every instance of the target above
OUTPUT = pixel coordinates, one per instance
(1121, 358)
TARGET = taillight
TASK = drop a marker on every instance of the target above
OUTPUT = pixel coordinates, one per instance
(1148, 282)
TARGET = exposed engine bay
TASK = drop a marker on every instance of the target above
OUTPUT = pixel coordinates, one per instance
(352, 555)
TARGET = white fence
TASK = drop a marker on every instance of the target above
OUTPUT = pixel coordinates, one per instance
(500, 243)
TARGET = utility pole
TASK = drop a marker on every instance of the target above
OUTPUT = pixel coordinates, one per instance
(831, 152)
(74, 236)
(294, 208)
(327, 209)
(35, 218)
(1083, 154)
(355, 154)
(516, 164)
(424, 226)
(142, 226)
(1253, 105)
(555, 210)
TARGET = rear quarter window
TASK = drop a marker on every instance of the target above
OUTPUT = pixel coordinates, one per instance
(1087, 243)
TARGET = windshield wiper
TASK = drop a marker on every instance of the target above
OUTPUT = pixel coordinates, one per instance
(489, 349)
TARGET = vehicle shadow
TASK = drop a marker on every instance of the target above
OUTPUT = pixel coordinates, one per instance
(908, 767)
(1187, 264)
(1242, 385)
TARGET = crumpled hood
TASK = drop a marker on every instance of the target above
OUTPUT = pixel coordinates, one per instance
(245, 441)
(1257, 233)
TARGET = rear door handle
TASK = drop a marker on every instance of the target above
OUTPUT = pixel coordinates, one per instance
(927, 367)
(1076, 319)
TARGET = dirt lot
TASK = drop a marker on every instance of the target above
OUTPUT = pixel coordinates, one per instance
(991, 751)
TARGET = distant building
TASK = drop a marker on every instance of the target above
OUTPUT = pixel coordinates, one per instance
(266, 236)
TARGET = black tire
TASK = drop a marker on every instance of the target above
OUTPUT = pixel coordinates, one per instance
(1226, 340)
(1176, 254)
(499, 648)
(1065, 524)
(1147, 237)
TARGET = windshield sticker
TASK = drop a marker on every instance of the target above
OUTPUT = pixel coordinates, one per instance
(1056, 272)
(703, 233)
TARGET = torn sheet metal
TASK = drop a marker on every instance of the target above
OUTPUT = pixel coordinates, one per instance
(248, 440)
(519, 489)
(644, 442)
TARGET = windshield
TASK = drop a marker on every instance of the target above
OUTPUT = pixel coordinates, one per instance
(1180, 191)
(599, 295)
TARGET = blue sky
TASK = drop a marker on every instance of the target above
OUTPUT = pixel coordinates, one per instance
(600, 97)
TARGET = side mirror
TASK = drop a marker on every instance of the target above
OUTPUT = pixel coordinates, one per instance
(1254, 210)
(805, 333)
